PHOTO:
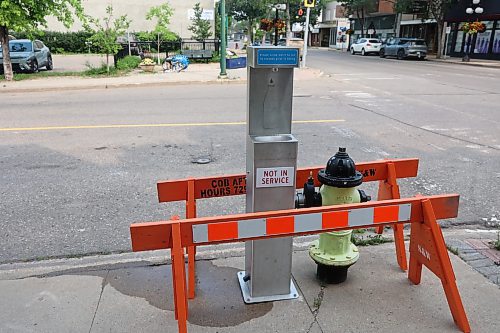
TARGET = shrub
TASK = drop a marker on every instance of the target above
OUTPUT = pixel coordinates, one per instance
(100, 71)
(128, 63)
(61, 42)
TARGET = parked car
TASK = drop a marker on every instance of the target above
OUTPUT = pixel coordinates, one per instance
(403, 48)
(29, 56)
(366, 46)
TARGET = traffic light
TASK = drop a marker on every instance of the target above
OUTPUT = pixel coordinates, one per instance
(309, 3)
(300, 12)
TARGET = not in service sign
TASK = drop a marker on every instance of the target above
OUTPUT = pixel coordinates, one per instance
(275, 177)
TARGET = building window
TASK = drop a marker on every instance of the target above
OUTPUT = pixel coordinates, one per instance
(460, 41)
(496, 43)
(483, 39)
(333, 36)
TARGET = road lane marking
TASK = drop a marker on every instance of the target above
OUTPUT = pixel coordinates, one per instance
(53, 128)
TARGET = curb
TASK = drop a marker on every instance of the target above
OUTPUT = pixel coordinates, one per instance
(122, 85)
(474, 64)
(22, 270)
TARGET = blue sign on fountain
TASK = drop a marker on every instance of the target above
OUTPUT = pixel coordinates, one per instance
(278, 57)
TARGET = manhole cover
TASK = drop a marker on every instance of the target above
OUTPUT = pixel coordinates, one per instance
(202, 160)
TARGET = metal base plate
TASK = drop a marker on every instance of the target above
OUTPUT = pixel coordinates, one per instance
(245, 291)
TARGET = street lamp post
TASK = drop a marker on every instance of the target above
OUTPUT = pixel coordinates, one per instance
(277, 8)
(223, 18)
(276, 27)
(351, 28)
(471, 11)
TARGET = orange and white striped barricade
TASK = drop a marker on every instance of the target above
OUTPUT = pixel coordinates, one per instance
(427, 246)
(386, 172)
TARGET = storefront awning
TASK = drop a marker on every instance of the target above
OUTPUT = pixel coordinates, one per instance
(418, 22)
(326, 25)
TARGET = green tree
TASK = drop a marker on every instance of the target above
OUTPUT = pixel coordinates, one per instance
(200, 27)
(315, 12)
(105, 33)
(161, 32)
(29, 15)
(360, 9)
(249, 11)
(436, 9)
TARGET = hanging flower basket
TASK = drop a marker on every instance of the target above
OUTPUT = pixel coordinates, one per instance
(269, 25)
(266, 24)
(349, 32)
(473, 27)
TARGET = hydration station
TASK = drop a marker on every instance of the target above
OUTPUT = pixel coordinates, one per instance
(271, 167)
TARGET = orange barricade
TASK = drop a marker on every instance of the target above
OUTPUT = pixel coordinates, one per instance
(427, 245)
(386, 172)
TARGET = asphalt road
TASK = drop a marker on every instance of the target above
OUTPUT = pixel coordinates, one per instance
(71, 184)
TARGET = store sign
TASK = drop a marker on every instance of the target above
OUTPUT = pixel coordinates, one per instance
(419, 7)
(208, 14)
(275, 177)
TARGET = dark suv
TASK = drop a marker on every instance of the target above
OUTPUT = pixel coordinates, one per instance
(403, 48)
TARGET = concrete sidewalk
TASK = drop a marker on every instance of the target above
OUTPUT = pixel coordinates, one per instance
(196, 74)
(473, 62)
(132, 293)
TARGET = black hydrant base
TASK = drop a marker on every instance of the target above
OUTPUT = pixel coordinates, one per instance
(332, 274)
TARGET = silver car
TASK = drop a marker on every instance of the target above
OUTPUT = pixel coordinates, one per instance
(27, 55)
(403, 48)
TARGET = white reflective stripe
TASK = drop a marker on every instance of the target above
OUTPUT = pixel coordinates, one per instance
(302, 223)
(308, 222)
(404, 212)
(200, 233)
(361, 216)
(251, 228)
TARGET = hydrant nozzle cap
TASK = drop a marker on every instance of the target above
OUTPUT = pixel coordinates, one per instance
(340, 171)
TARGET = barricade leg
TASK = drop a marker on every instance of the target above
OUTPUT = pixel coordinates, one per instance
(191, 250)
(173, 287)
(399, 240)
(389, 189)
(427, 247)
(178, 270)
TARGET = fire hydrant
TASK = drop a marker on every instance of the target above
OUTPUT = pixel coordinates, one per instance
(334, 252)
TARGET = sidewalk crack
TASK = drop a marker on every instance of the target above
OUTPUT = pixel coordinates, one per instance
(103, 284)
(315, 308)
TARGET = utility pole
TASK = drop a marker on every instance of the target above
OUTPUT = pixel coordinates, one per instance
(223, 18)
(306, 37)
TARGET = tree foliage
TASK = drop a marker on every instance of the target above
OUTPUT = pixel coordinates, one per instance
(28, 16)
(360, 10)
(249, 11)
(161, 32)
(200, 27)
(162, 15)
(105, 33)
(436, 9)
(315, 12)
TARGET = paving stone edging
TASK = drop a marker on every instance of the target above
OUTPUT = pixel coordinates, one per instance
(476, 260)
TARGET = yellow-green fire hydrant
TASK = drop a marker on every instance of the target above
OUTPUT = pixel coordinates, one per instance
(334, 252)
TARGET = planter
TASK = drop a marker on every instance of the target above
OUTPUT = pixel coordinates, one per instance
(148, 68)
(234, 63)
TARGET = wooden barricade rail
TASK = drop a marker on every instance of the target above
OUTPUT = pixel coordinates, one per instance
(386, 172)
(427, 246)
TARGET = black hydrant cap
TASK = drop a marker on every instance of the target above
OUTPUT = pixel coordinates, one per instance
(340, 171)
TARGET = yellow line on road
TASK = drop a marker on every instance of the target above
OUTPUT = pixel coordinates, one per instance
(53, 128)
